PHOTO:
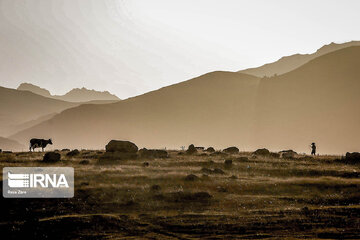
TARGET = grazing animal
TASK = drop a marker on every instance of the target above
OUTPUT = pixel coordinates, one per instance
(39, 143)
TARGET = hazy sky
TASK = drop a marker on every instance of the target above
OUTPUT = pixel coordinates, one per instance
(133, 46)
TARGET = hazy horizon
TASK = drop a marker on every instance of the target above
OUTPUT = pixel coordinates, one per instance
(132, 47)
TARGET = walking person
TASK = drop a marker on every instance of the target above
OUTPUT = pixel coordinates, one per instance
(313, 149)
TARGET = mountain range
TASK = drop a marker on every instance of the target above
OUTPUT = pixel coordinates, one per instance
(289, 63)
(316, 102)
(74, 95)
(21, 109)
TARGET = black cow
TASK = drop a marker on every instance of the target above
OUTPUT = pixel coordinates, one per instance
(39, 143)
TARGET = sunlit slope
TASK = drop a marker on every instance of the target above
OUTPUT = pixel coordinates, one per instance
(289, 63)
(213, 109)
(318, 102)
(19, 107)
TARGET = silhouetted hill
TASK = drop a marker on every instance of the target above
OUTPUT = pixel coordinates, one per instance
(318, 102)
(85, 95)
(205, 110)
(20, 107)
(35, 89)
(75, 95)
(289, 63)
(10, 145)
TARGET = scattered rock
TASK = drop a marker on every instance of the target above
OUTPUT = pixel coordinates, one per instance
(288, 154)
(51, 157)
(231, 150)
(145, 164)
(120, 150)
(73, 153)
(221, 189)
(121, 146)
(352, 157)
(191, 177)
(228, 162)
(191, 149)
(153, 153)
(233, 177)
(84, 162)
(210, 150)
(200, 148)
(262, 152)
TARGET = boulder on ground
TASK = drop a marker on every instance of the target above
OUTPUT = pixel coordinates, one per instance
(119, 150)
(353, 157)
(73, 153)
(84, 162)
(288, 154)
(191, 177)
(262, 152)
(210, 150)
(191, 149)
(121, 146)
(231, 150)
(228, 162)
(65, 150)
(51, 157)
(153, 153)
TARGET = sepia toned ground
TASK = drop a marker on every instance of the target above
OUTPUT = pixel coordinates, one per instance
(253, 198)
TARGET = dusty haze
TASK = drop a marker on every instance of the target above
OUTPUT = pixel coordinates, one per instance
(132, 47)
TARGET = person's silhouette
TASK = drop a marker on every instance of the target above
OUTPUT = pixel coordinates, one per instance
(313, 149)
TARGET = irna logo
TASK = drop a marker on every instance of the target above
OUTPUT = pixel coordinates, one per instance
(38, 182)
(16, 180)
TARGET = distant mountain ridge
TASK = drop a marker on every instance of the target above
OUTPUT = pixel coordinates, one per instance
(316, 102)
(21, 109)
(74, 95)
(289, 63)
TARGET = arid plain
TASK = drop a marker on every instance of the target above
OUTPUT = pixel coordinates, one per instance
(191, 196)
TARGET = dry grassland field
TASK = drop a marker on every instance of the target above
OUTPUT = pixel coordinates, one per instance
(196, 196)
